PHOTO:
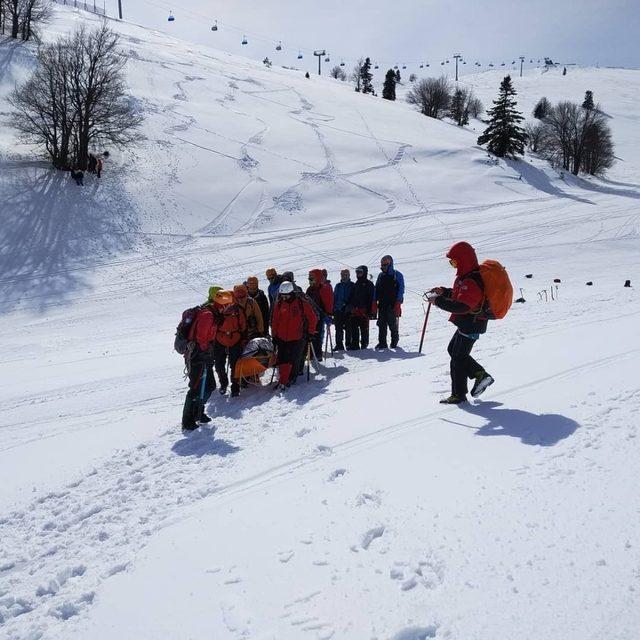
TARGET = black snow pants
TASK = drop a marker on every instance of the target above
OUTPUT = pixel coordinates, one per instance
(359, 332)
(387, 319)
(193, 404)
(342, 321)
(463, 366)
(221, 354)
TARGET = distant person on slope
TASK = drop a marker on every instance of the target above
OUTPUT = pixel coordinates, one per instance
(292, 321)
(464, 301)
(363, 308)
(200, 359)
(99, 167)
(259, 296)
(389, 293)
(342, 310)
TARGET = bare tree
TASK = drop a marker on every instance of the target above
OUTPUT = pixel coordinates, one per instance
(24, 16)
(474, 105)
(577, 139)
(356, 74)
(76, 97)
(338, 73)
(431, 95)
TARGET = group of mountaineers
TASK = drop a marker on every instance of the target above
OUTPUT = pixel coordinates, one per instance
(289, 325)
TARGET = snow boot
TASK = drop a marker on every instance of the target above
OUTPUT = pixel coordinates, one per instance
(381, 347)
(188, 413)
(483, 381)
(394, 343)
(338, 347)
(204, 418)
(453, 400)
(235, 389)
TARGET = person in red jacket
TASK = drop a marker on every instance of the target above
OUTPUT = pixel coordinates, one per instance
(292, 321)
(200, 359)
(465, 302)
(321, 294)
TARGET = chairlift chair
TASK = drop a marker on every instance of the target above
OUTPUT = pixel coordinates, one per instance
(215, 26)
(244, 40)
(300, 55)
(404, 66)
(279, 46)
(342, 63)
(170, 18)
(327, 59)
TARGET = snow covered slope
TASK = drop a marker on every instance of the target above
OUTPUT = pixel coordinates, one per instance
(355, 506)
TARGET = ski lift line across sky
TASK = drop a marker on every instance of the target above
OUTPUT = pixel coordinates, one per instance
(282, 45)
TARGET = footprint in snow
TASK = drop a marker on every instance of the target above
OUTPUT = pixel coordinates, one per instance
(370, 536)
(285, 556)
(338, 473)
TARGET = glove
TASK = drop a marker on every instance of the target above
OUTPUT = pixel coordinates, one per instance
(397, 309)
(431, 296)
(328, 320)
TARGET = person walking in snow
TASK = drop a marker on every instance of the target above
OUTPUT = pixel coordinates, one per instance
(389, 293)
(321, 293)
(293, 321)
(259, 296)
(465, 303)
(363, 308)
(99, 167)
(342, 310)
(200, 359)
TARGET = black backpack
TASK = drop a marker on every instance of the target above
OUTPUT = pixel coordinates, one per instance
(181, 342)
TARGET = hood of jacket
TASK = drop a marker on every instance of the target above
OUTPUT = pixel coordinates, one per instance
(465, 256)
(318, 277)
(391, 268)
(365, 271)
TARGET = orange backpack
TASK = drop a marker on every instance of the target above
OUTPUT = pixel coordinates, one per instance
(498, 290)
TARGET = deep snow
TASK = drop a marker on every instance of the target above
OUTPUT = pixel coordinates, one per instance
(354, 506)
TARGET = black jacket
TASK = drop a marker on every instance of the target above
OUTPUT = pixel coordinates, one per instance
(263, 303)
(362, 294)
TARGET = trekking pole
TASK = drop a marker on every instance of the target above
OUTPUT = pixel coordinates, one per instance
(326, 342)
(308, 361)
(424, 327)
(203, 384)
(330, 341)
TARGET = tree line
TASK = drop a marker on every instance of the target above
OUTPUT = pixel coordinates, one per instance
(21, 19)
(76, 98)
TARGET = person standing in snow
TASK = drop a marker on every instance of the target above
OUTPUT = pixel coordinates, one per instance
(200, 360)
(342, 310)
(363, 308)
(230, 338)
(465, 302)
(321, 293)
(78, 176)
(389, 292)
(99, 167)
(259, 296)
(274, 283)
(292, 321)
(255, 324)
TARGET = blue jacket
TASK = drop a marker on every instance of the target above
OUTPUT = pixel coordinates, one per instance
(341, 294)
(273, 291)
(390, 287)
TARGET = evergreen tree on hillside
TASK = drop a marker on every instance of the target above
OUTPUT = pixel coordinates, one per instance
(588, 101)
(541, 110)
(504, 136)
(389, 87)
(458, 109)
(366, 76)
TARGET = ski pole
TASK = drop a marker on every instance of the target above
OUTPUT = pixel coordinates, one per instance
(330, 340)
(309, 347)
(202, 390)
(326, 343)
(424, 327)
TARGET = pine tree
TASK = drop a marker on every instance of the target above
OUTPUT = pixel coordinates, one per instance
(504, 136)
(366, 76)
(389, 87)
(398, 78)
(541, 110)
(588, 101)
(458, 110)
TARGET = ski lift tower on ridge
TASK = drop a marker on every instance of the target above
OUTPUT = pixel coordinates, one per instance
(319, 53)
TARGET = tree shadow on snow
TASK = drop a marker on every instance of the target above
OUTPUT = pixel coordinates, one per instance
(545, 429)
(54, 232)
(539, 179)
(202, 442)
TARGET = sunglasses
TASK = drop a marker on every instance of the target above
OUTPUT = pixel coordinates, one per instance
(453, 263)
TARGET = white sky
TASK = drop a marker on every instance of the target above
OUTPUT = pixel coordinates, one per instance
(589, 32)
